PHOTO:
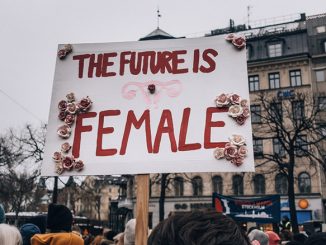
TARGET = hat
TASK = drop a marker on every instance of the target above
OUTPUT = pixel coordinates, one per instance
(129, 234)
(27, 231)
(59, 218)
(2, 215)
(273, 238)
(258, 235)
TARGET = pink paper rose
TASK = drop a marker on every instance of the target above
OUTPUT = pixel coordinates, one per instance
(59, 168)
(230, 37)
(62, 53)
(242, 151)
(70, 118)
(57, 156)
(244, 103)
(237, 160)
(79, 165)
(235, 99)
(222, 100)
(245, 112)
(241, 119)
(62, 115)
(62, 105)
(219, 153)
(65, 147)
(72, 108)
(70, 97)
(64, 131)
(235, 110)
(230, 151)
(237, 140)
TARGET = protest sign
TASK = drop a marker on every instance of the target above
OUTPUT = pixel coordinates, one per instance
(176, 105)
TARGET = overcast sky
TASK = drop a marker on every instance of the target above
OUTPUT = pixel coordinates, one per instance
(31, 29)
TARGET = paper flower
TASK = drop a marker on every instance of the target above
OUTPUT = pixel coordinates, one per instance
(64, 131)
(85, 104)
(235, 151)
(238, 41)
(57, 156)
(65, 147)
(238, 107)
(79, 165)
(68, 162)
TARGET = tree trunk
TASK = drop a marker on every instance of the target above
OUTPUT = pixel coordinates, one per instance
(291, 197)
(162, 196)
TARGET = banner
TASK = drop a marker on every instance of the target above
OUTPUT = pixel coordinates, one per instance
(260, 210)
(179, 105)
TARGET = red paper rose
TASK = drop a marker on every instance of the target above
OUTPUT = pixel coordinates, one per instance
(64, 131)
(68, 162)
(240, 119)
(237, 160)
(222, 100)
(235, 99)
(62, 105)
(70, 118)
(239, 42)
(85, 104)
(62, 53)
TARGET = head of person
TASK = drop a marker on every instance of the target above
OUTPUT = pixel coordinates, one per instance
(260, 236)
(316, 239)
(273, 238)
(27, 231)
(59, 218)
(285, 218)
(10, 235)
(198, 227)
(119, 239)
(2, 215)
(129, 233)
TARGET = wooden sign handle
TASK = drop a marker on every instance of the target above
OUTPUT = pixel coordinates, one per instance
(142, 209)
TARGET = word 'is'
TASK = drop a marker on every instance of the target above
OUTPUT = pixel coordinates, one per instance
(135, 63)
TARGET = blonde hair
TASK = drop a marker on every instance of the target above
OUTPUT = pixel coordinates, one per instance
(10, 235)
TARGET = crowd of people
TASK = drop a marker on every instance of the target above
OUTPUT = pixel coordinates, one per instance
(190, 228)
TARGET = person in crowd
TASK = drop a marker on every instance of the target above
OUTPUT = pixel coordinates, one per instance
(286, 236)
(129, 233)
(198, 227)
(285, 223)
(316, 239)
(39, 221)
(300, 237)
(59, 224)
(259, 236)
(97, 240)
(119, 239)
(273, 238)
(9, 235)
(27, 231)
(2, 215)
(108, 236)
(75, 229)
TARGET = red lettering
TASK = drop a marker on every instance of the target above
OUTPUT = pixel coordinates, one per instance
(209, 60)
(107, 63)
(209, 124)
(196, 61)
(108, 130)
(79, 129)
(95, 65)
(165, 117)
(183, 134)
(176, 61)
(81, 58)
(131, 120)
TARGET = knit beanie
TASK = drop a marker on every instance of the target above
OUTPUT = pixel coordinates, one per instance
(59, 218)
(27, 231)
(2, 215)
(260, 236)
(129, 234)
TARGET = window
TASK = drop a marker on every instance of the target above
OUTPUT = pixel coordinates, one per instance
(278, 148)
(304, 183)
(295, 78)
(275, 50)
(321, 29)
(258, 148)
(274, 80)
(237, 185)
(281, 184)
(320, 75)
(301, 146)
(322, 103)
(298, 109)
(248, 52)
(217, 182)
(255, 113)
(253, 83)
(197, 186)
(178, 186)
(324, 46)
(276, 111)
(259, 184)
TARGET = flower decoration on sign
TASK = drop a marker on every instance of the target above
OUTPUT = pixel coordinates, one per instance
(68, 111)
(62, 53)
(238, 107)
(235, 151)
(238, 41)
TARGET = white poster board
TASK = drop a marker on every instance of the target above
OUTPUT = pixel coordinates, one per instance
(153, 108)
